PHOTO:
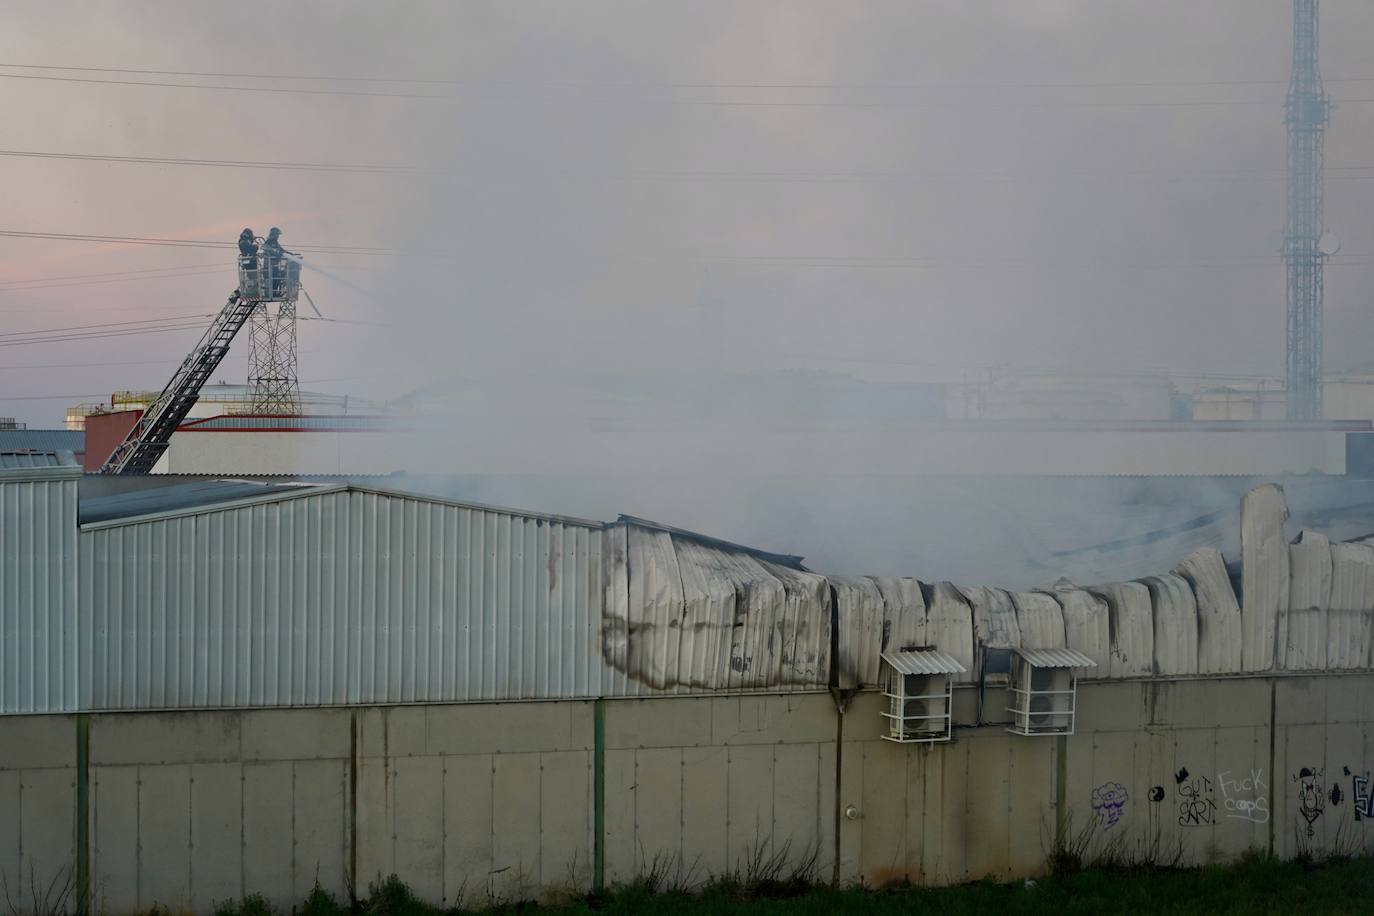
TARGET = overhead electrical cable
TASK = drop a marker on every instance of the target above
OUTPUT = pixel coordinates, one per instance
(704, 103)
(183, 243)
(1106, 84)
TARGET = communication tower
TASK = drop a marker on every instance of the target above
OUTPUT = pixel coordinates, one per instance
(1304, 250)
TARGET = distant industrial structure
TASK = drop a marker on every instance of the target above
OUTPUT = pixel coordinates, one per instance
(1304, 248)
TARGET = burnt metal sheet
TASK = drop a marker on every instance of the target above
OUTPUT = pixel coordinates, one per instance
(994, 621)
(1055, 658)
(1350, 617)
(1218, 612)
(1040, 619)
(859, 607)
(1264, 574)
(1087, 625)
(949, 626)
(1175, 619)
(698, 615)
(923, 661)
(904, 612)
(1131, 613)
(1302, 623)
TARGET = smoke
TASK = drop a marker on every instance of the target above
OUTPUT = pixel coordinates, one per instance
(693, 202)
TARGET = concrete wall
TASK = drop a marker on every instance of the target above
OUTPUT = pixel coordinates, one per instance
(489, 802)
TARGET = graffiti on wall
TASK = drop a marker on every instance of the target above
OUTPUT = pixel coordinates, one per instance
(1197, 805)
(1360, 796)
(1243, 795)
(1109, 804)
(1311, 795)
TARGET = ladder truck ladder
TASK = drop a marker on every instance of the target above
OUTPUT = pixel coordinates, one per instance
(149, 438)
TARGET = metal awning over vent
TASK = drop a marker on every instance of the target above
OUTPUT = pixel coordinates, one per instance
(1056, 658)
(923, 661)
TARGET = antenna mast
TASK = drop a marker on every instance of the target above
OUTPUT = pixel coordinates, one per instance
(1306, 114)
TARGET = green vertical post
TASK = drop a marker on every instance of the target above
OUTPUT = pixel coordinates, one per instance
(83, 813)
(599, 795)
(1061, 790)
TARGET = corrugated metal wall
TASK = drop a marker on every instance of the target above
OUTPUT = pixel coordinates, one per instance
(37, 586)
(344, 597)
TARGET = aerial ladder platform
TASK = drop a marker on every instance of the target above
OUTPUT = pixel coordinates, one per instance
(260, 281)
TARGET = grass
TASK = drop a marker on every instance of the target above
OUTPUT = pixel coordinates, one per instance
(1258, 884)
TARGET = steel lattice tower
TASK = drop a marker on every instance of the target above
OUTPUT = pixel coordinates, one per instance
(1306, 114)
(272, 359)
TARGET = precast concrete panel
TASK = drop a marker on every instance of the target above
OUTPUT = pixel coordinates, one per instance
(217, 835)
(566, 818)
(268, 838)
(657, 809)
(419, 822)
(1264, 574)
(468, 827)
(705, 821)
(1040, 619)
(516, 808)
(1350, 618)
(749, 803)
(1131, 619)
(1219, 638)
(114, 823)
(164, 836)
(1302, 629)
(800, 826)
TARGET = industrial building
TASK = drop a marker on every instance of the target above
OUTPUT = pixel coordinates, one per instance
(228, 687)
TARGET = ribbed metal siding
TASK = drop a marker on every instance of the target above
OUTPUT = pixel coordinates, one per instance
(1132, 628)
(1302, 638)
(345, 597)
(1040, 619)
(1351, 616)
(37, 589)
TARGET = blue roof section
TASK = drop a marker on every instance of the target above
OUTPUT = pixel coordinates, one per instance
(172, 499)
(30, 463)
(43, 440)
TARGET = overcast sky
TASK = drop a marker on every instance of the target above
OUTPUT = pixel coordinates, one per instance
(853, 186)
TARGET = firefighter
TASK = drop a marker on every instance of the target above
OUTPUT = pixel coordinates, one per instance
(248, 250)
(276, 259)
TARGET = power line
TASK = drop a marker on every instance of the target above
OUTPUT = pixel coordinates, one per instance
(112, 273)
(1110, 84)
(162, 276)
(221, 163)
(133, 332)
(1356, 173)
(108, 324)
(182, 243)
(702, 103)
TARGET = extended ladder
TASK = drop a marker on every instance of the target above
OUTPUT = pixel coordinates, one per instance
(146, 442)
